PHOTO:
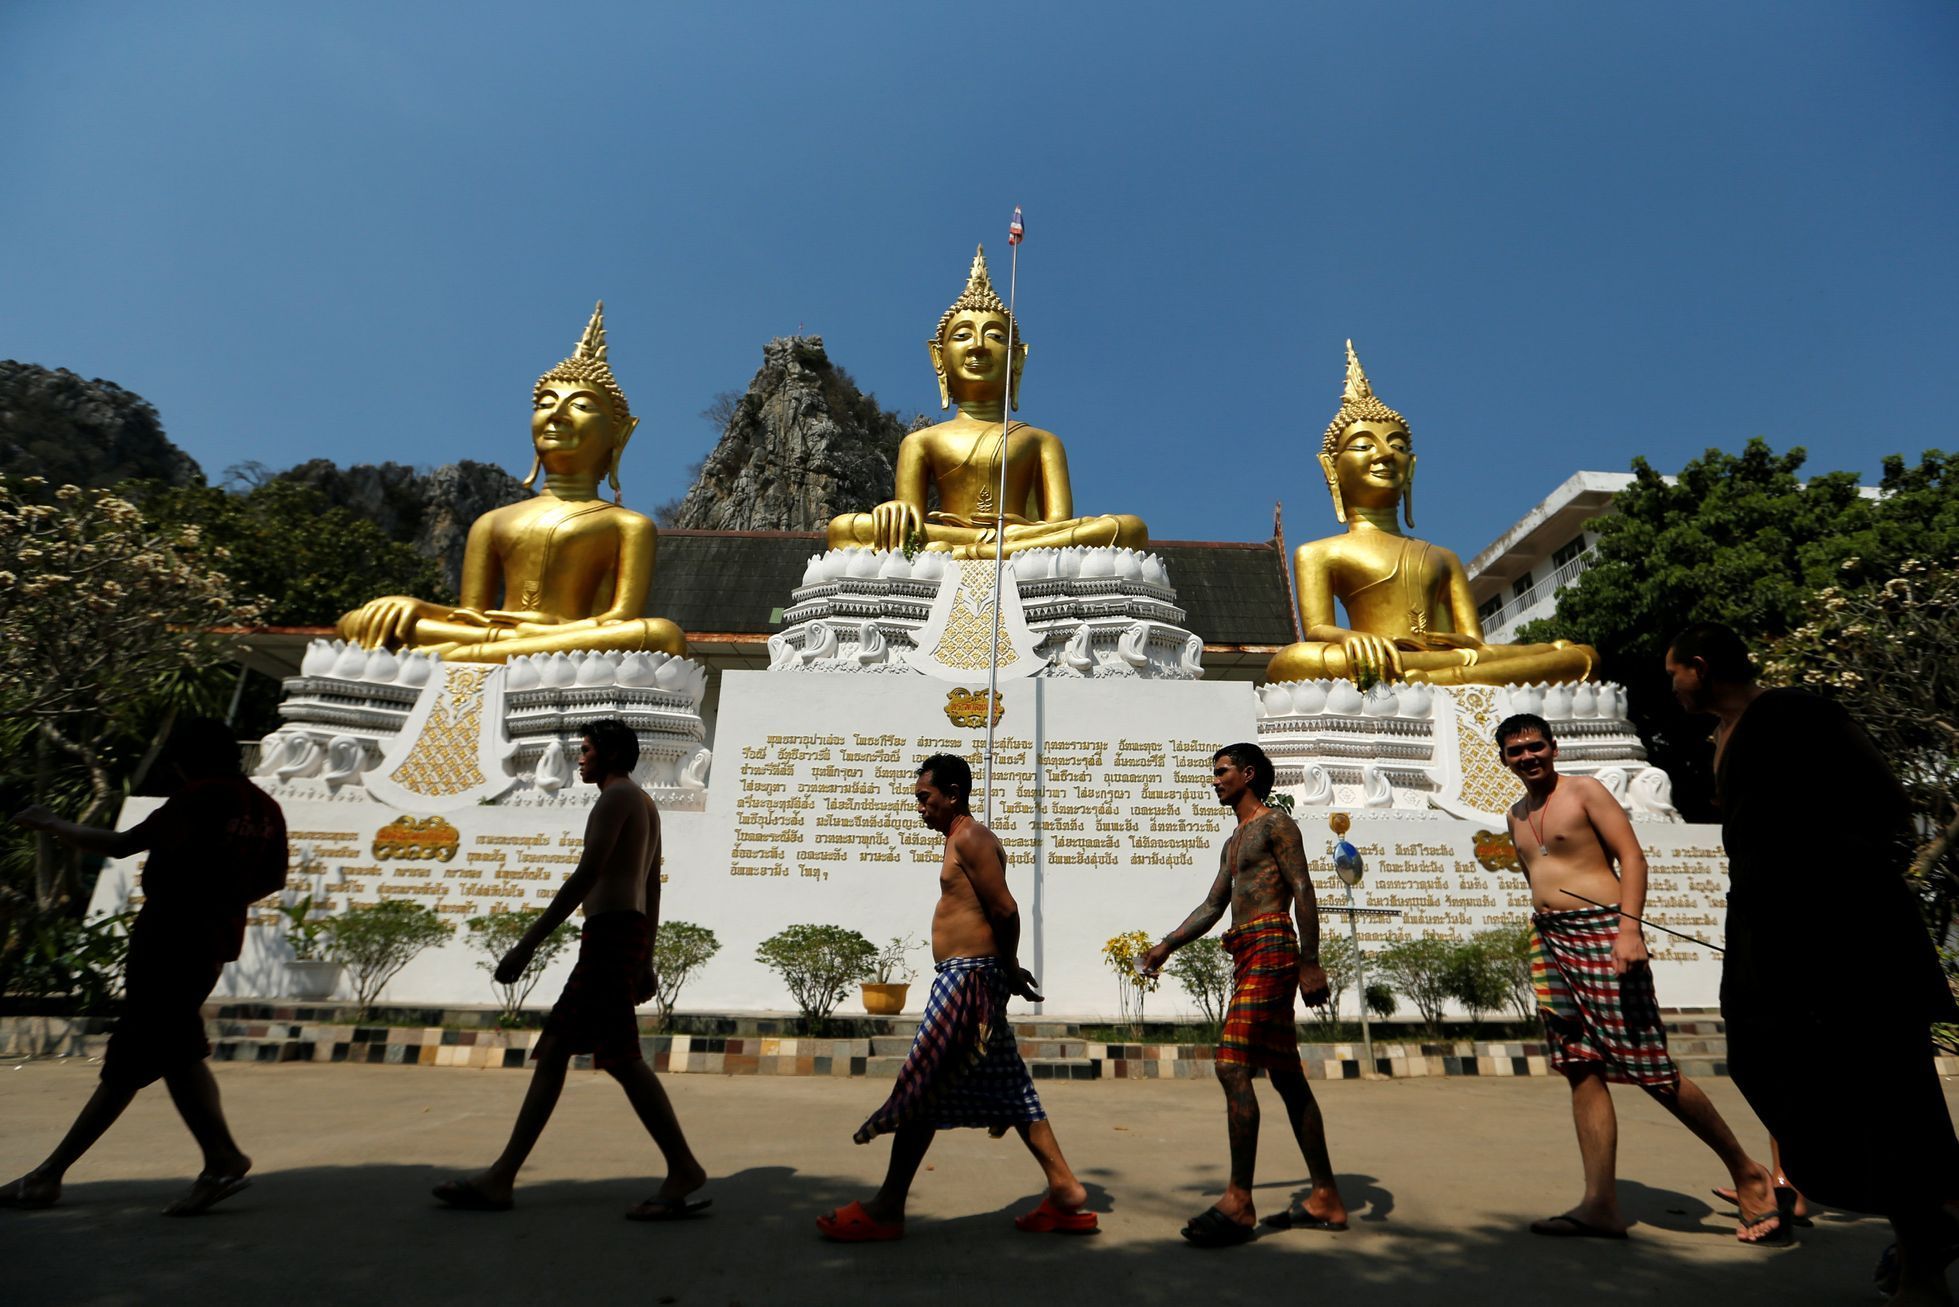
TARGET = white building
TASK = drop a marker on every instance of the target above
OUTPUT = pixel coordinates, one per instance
(1516, 578)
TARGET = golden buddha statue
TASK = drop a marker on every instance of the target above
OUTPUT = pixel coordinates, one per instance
(962, 456)
(571, 570)
(1409, 613)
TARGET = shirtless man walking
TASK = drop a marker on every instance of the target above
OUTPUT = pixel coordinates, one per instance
(617, 884)
(964, 1069)
(1595, 987)
(1262, 878)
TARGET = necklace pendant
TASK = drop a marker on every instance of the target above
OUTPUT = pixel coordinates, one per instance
(1543, 850)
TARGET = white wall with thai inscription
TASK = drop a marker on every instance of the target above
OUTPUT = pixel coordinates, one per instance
(1102, 799)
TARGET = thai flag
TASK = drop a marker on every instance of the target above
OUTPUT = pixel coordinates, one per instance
(1016, 229)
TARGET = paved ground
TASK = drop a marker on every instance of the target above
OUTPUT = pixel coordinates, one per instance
(1442, 1174)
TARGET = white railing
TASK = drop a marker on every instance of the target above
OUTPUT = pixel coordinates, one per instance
(1505, 617)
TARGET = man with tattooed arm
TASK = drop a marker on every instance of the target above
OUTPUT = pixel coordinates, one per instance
(1262, 878)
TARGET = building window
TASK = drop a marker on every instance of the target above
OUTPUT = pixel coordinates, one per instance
(1489, 608)
(1521, 587)
(1570, 551)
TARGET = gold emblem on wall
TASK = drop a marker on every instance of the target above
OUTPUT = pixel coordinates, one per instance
(416, 839)
(968, 707)
(1496, 851)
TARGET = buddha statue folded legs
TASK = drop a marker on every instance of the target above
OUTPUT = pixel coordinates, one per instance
(569, 570)
(973, 352)
(1409, 612)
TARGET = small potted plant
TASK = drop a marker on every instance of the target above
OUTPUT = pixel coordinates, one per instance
(884, 995)
(309, 975)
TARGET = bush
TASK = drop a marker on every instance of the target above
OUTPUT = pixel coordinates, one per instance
(1508, 949)
(678, 951)
(1419, 969)
(376, 942)
(890, 966)
(1341, 962)
(1132, 986)
(819, 964)
(1475, 978)
(1204, 970)
(1380, 1000)
(63, 958)
(496, 934)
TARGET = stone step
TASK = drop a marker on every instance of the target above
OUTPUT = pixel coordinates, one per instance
(1064, 1068)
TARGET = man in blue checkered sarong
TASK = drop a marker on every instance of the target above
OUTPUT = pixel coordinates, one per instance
(964, 1069)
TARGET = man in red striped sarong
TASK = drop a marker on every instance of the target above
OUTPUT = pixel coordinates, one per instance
(1261, 877)
(1595, 986)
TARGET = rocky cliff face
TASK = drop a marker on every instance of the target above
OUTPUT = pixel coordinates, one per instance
(88, 433)
(803, 445)
(430, 510)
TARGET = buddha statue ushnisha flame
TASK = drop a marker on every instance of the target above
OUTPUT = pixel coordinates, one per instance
(962, 456)
(569, 570)
(1409, 612)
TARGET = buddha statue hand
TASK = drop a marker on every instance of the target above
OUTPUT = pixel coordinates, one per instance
(387, 622)
(893, 523)
(1377, 654)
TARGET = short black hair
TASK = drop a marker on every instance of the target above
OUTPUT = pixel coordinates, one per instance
(1518, 723)
(951, 773)
(616, 744)
(203, 747)
(1250, 755)
(1719, 647)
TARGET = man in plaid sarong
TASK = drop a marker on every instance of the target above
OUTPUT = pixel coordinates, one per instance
(1262, 878)
(1595, 986)
(964, 1069)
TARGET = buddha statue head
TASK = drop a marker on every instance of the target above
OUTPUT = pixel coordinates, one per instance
(580, 421)
(1367, 454)
(969, 350)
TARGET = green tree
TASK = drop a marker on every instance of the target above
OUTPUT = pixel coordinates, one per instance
(1740, 539)
(1204, 970)
(1475, 977)
(1341, 962)
(819, 964)
(681, 949)
(1508, 949)
(375, 942)
(1419, 968)
(496, 934)
(286, 542)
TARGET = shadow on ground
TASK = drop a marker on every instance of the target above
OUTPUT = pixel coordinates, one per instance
(369, 1234)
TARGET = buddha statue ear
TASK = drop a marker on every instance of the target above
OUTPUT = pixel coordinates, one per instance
(1020, 362)
(1333, 488)
(618, 451)
(1408, 495)
(537, 465)
(938, 370)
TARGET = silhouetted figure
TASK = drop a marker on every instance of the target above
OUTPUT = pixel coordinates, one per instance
(1595, 985)
(217, 844)
(617, 884)
(1262, 878)
(1826, 943)
(964, 1069)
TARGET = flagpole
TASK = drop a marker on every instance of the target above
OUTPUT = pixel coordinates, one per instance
(1000, 526)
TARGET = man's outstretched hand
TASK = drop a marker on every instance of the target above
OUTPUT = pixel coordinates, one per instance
(510, 969)
(1313, 984)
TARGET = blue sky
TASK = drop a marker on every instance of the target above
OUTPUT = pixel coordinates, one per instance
(1560, 235)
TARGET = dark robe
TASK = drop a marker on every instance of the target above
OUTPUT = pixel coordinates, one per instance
(1830, 981)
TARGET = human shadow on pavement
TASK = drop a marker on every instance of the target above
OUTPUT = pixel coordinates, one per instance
(372, 1233)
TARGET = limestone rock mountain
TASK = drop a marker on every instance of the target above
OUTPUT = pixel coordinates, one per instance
(802, 445)
(58, 425)
(431, 511)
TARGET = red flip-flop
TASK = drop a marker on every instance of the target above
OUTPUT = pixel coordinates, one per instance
(852, 1224)
(1050, 1218)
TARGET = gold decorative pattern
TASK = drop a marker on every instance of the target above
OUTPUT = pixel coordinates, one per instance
(967, 642)
(445, 757)
(1496, 850)
(416, 839)
(1486, 785)
(967, 708)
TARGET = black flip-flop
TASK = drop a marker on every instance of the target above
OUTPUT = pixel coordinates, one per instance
(206, 1192)
(668, 1209)
(1728, 1196)
(1784, 1216)
(1213, 1229)
(1301, 1219)
(1568, 1226)
(466, 1197)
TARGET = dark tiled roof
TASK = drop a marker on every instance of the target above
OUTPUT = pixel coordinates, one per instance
(735, 582)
